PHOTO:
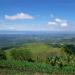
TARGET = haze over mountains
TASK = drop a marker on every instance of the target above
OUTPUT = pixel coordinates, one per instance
(13, 38)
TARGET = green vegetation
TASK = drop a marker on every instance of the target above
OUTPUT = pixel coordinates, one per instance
(36, 67)
(33, 51)
(39, 57)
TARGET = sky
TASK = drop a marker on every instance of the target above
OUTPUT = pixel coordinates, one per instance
(37, 15)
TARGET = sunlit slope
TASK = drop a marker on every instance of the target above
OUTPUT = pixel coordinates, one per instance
(39, 50)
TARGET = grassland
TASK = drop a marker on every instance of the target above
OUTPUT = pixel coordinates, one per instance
(39, 51)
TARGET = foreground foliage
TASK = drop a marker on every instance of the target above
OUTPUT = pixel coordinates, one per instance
(36, 67)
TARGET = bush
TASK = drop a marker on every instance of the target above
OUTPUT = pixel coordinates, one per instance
(19, 54)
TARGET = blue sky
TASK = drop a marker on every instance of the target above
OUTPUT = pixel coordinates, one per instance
(37, 15)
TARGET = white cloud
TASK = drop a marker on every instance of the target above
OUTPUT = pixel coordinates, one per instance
(52, 23)
(58, 22)
(19, 16)
(64, 24)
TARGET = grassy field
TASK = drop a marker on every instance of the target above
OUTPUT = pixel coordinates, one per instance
(39, 51)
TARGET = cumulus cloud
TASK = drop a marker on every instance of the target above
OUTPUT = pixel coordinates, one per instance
(58, 22)
(19, 16)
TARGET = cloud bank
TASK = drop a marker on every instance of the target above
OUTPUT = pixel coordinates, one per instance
(20, 16)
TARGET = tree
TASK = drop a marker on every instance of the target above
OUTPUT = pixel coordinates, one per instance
(69, 50)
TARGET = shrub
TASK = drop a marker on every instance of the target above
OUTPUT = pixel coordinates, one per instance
(19, 54)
